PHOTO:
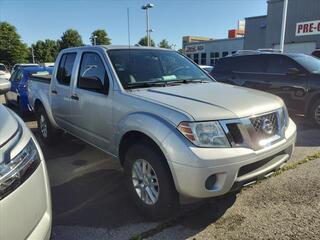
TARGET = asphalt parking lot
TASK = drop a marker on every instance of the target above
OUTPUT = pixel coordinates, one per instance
(90, 200)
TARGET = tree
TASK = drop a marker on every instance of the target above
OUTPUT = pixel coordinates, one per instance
(12, 50)
(70, 38)
(45, 51)
(164, 44)
(144, 42)
(101, 37)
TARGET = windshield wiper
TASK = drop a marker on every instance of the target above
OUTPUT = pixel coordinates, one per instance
(186, 81)
(145, 84)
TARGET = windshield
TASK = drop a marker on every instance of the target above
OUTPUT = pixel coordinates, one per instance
(3, 68)
(142, 66)
(312, 64)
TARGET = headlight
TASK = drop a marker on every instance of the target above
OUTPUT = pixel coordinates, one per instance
(204, 134)
(13, 172)
(284, 118)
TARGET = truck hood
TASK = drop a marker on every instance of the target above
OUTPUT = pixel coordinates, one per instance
(8, 126)
(212, 101)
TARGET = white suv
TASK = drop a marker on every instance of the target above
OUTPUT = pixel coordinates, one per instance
(25, 203)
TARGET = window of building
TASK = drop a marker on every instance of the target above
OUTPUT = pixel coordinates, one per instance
(203, 59)
(65, 68)
(196, 57)
(224, 54)
(189, 56)
(214, 57)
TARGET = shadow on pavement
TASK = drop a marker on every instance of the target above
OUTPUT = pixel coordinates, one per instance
(97, 199)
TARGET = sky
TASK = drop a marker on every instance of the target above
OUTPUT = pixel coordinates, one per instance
(170, 19)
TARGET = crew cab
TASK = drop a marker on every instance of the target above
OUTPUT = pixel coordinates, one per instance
(176, 131)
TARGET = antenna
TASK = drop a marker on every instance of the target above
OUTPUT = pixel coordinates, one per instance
(128, 16)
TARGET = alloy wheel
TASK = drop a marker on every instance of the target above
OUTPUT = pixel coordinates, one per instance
(145, 181)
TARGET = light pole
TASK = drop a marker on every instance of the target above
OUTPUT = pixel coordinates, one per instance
(146, 7)
(95, 40)
(284, 23)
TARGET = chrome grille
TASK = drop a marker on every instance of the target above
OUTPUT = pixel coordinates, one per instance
(266, 125)
(256, 132)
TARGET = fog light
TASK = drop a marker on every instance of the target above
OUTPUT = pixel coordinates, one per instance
(211, 181)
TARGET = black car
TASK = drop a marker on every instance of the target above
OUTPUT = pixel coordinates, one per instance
(293, 77)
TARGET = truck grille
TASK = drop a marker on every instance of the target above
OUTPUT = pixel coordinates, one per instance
(256, 132)
(265, 125)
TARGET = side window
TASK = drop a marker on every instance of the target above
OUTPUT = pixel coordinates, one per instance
(19, 76)
(224, 65)
(65, 68)
(92, 74)
(13, 76)
(251, 64)
(280, 64)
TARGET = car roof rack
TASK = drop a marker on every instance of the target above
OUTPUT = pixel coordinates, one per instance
(254, 52)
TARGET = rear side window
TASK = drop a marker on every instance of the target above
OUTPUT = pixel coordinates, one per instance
(92, 73)
(250, 64)
(65, 68)
(224, 65)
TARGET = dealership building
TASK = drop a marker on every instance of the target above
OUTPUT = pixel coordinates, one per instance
(302, 28)
(263, 32)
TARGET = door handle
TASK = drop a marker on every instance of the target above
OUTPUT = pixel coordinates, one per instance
(54, 92)
(75, 97)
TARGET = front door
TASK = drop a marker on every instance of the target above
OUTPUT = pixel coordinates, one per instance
(91, 102)
(60, 90)
(288, 80)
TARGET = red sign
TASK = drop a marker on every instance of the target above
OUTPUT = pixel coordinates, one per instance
(308, 28)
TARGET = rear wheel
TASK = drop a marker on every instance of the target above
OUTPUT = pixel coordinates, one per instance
(314, 113)
(48, 134)
(149, 182)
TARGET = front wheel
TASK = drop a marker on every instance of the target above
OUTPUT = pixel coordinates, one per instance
(314, 113)
(149, 182)
(48, 134)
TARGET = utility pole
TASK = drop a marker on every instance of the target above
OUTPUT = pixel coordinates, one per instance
(32, 53)
(284, 23)
(146, 8)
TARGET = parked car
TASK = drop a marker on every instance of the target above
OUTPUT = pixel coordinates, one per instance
(4, 73)
(293, 77)
(174, 129)
(25, 203)
(18, 94)
(316, 53)
(22, 65)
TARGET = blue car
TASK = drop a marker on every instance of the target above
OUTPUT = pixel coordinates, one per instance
(18, 94)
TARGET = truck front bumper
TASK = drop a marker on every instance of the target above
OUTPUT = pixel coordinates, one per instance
(209, 172)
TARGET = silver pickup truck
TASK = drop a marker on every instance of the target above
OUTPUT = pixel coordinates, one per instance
(176, 131)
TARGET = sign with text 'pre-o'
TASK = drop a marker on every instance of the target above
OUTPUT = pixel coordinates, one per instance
(308, 28)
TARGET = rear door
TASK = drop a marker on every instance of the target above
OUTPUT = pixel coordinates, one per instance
(248, 71)
(91, 101)
(290, 86)
(60, 89)
(15, 79)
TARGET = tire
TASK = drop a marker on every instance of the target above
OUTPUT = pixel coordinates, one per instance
(314, 114)
(167, 200)
(48, 134)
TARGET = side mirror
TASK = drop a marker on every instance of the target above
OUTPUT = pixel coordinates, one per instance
(293, 71)
(91, 83)
(5, 86)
